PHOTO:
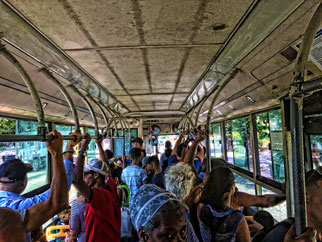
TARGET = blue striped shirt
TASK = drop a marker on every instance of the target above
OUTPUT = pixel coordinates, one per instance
(133, 176)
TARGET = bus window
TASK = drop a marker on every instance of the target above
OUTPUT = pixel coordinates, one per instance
(34, 153)
(270, 145)
(279, 212)
(118, 143)
(316, 149)
(64, 130)
(216, 148)
(229, 143)
(241, 143)
(244, 185)
(92, 151)
(128, 143)
(275, 125)
(265, 156)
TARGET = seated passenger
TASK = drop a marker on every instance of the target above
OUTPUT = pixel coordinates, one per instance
(103, 213)
(158, 177)
(133, 175)
(218, 220)
(34, 216)
(10, 191)
(314, 207)
(158, 215)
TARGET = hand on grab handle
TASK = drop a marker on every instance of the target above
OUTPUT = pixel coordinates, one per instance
(86, 140)
(72, 143)
(55, 147)
(307, 236)
(100, 139)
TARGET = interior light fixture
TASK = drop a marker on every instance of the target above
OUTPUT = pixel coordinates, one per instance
(68, 113)
(231, 107)
(203, 113)
(44, 105)
(250, 99)
(84, 117)
(220, 113)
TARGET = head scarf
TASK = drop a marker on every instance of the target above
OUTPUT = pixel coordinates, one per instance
(147, 202)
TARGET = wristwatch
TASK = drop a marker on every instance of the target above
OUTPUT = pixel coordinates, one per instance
(84, 153)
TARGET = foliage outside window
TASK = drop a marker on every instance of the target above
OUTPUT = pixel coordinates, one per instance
(270, 145)
(241, 143)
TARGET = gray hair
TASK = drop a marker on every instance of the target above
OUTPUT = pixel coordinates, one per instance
(179, 179)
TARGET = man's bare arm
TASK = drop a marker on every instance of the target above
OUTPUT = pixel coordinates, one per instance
(246, 200)
(58, 198)
(102, 152)
(70, 146)
(79, 183)
(178, 142)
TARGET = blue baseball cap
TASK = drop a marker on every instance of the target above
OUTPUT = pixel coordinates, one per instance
(13, 170)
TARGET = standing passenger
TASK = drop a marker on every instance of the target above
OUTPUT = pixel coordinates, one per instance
(133, 175)
(158, 177)
(103, 213)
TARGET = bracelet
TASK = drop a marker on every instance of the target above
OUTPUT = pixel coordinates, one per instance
(68, 151)
(83, 153)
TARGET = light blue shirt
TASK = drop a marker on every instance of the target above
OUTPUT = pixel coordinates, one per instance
(16, 201)
(133, 176)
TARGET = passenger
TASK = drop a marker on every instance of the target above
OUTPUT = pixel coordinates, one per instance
(10, 191)
(138, 143)
(77, 221)
(148, 169)
(242, 199)
(133, 175)
(167, 152)
(218, 220)
(36, 215)
(165, 163)
(123, 190)
(102, 152)
(315, 156)
(179, 180)
(314, 208)
(175, 156)
(109, 154)
(158, 215)
(193, 158)
(158, 177)
(103, 213)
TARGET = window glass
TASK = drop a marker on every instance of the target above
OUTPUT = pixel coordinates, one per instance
(275, 124)
(92, 151)
(163, 138)
(241, 144)
(64, 130)
(128, 143)
(263, 136)
(279, 212)
(34, 153)
(316, 149)
(229, 143)
(211, 141)
(244, 185)
(118, 143)
(217, 140)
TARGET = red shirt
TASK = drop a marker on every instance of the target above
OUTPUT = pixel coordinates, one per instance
(103, 216)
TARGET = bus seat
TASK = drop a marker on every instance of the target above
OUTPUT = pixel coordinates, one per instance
(55, 233)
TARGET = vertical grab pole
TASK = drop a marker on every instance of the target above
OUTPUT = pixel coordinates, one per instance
(33, 91)
(121, 123)
(89, 106)
(112, 117)
(296, 116)
(209, 115)
(198, 112)
(50, 76)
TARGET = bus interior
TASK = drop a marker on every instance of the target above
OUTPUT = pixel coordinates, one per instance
(153, 69)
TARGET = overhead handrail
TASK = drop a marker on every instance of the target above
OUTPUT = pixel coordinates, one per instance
(198, 112)
(50, 76)
(42, 130)
(100, 108)
(296, 119)
(111, 116)
(121, 123)
(90, 108)
(209, 115)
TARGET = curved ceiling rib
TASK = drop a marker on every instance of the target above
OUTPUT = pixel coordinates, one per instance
(18, 32)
